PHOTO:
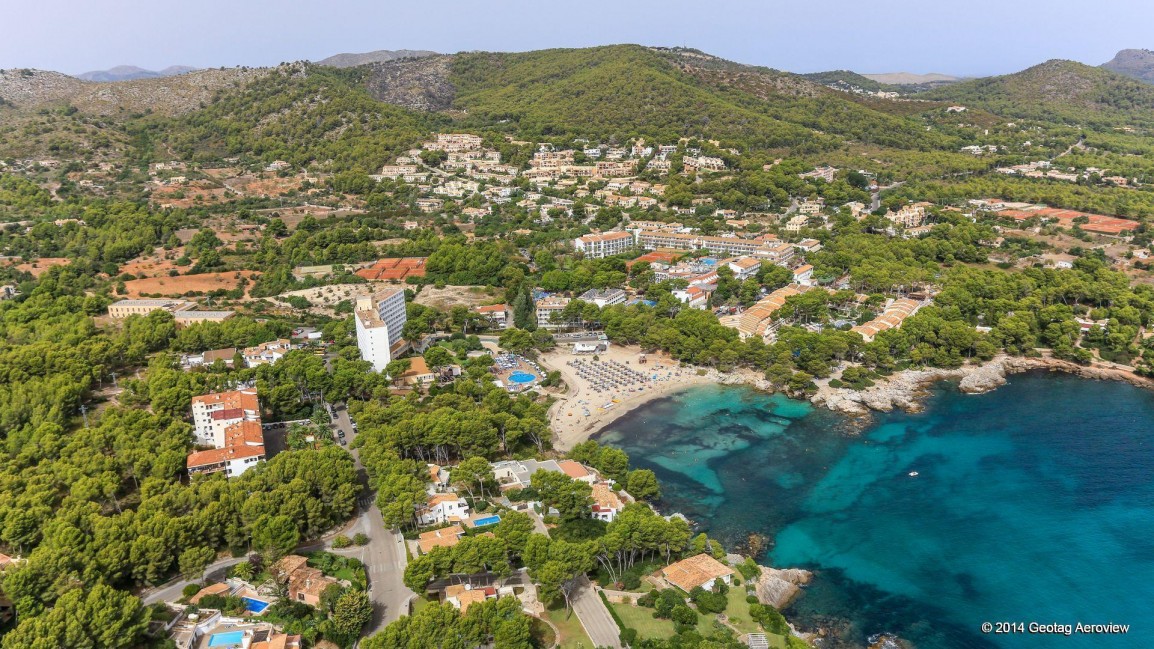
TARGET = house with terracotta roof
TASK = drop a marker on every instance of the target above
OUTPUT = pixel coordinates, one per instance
(606, 504)
(443, 508)
(498, 315)
(213, 413)
(446, 537)
(697, 571)
(694, 297)
(305, 583)
(744, 267)
(214, 589)
(463, 596)
(578, 471)
(242, 446)
(266, 353)
(439, 476)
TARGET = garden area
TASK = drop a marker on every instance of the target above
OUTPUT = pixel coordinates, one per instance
(573, 635)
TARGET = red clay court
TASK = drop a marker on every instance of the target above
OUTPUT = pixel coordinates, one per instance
(394, 269)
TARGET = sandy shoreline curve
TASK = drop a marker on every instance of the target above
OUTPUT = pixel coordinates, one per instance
(904, 390)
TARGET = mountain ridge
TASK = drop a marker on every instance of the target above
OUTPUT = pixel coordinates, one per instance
(1057, 90)
(1134, 63)
(354, 59)
(132, 73)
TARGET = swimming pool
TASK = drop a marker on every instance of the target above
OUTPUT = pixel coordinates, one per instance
(521, 377)
(254, 606)
(488, 520)
(230, 639)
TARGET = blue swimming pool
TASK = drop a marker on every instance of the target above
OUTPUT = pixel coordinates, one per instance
(520, 377)
(255, 606)
(230, 639)
(488, 520)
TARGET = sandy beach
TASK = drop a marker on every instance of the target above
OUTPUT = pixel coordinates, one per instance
(580, 412)
(571, 425)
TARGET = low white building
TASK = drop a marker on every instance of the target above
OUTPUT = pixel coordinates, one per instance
(604, 297)
(443, 508)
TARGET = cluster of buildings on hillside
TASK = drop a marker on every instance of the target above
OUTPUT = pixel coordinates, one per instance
(263, 354)
(446, 508)
(890, 318)
(229, 423)
(469, 169)
(183, 312)
(1045, 169)
(195, 626)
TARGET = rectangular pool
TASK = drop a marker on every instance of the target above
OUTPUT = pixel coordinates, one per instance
(254, 606)
(230, 639)
(488, 520)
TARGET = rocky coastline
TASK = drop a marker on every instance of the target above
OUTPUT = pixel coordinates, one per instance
(907, 389)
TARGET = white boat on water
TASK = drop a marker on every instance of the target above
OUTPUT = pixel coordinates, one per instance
(913, 474)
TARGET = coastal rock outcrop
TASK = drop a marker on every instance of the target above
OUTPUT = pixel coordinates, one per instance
(984, 378)
(778, 587)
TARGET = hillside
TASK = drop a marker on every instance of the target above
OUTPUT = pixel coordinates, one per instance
(1136, 64)
(131, 72)
(349, 60)
(301, 113)
(173, 95)
(1058, 91)
(356, 118)
(846, 80)
(626, 90)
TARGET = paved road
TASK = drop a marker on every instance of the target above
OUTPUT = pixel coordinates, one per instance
(588, 606)
(172, 591)
(384, 556)
(594, 616)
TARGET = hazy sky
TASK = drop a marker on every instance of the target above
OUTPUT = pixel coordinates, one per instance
(972, 37)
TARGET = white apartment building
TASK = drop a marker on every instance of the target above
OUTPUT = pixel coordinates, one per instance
(546, 307)
(599, 246)
(213, 413)
(380, 318)
(604, 297)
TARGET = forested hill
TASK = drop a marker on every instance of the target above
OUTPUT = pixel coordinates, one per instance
(1058, 91)
(624, 90)
(356, 119)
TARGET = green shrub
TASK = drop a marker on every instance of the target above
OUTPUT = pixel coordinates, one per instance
(631, 581)
(360, 538)
(190, 590)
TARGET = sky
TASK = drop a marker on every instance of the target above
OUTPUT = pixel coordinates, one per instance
(970, 38)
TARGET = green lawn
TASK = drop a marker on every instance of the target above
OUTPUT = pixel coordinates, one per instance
(420, 603)
(641, 619)
(647, 626)
(738, 611)
(573, 635)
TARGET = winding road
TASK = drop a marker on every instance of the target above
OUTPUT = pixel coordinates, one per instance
(384, 555)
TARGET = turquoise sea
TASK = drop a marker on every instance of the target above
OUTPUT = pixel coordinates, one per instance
(1032, 503)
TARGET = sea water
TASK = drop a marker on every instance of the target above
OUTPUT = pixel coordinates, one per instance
(1032, 504)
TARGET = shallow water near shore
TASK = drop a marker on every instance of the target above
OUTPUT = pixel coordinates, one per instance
(1033, 503)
